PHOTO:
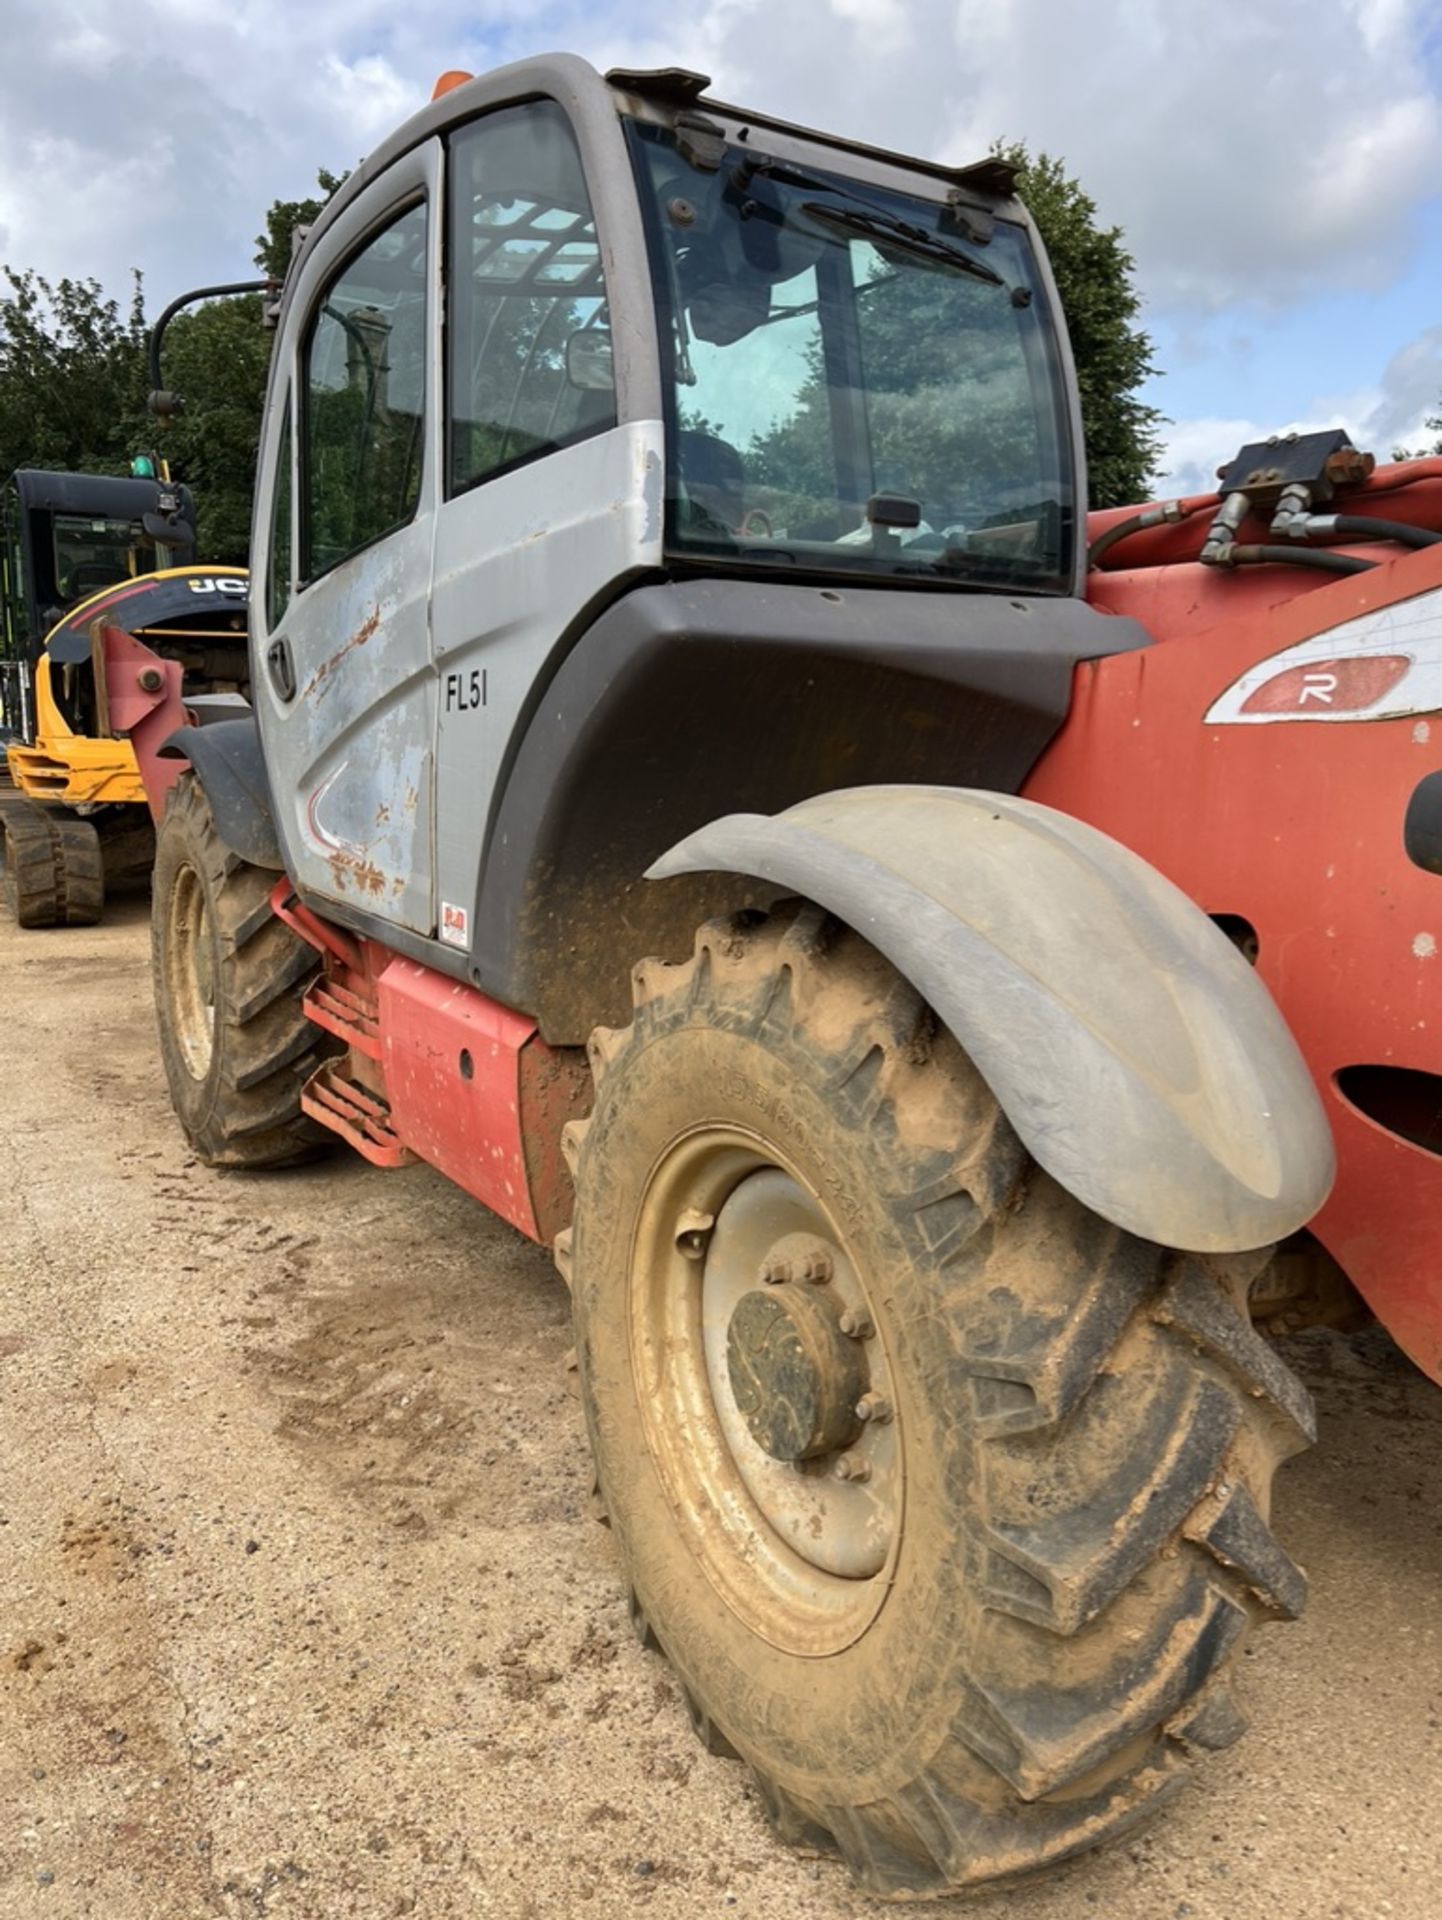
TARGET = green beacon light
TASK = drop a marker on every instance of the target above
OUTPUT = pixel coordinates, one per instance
(142, 467)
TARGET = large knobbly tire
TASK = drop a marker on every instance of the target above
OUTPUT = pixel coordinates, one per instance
(229, 981)
(1033, 1640)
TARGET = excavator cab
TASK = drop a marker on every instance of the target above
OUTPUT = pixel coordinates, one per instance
(65, 537)
(91, 564)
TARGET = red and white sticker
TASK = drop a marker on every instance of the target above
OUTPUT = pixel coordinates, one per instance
(455, 925)
(1380, 666)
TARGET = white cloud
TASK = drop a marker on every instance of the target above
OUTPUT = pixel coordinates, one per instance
(1255, 156)
(1251, 153)
(1194, 449)
(1411, 393)
(1380, 418)
(373, 97)
(1257, 152)
(160, 145)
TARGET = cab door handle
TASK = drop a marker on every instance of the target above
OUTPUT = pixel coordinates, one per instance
(279, 659)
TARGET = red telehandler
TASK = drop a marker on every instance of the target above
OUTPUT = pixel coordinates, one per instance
(669, 572)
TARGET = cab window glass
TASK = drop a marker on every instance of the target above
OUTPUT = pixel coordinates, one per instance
(92, 552)
(365, 392)
(278, 570)
(529, 343)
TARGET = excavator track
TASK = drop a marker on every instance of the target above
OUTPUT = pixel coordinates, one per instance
(79, 872)
(32, 881)
(54, 872)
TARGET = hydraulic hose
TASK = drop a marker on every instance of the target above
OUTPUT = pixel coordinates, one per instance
(1358, 526)
(1319, 557)
(1392, 479)
(1168, 513)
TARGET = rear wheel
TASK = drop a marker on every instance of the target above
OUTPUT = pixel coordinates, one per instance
(947, 1501)
(229, 982)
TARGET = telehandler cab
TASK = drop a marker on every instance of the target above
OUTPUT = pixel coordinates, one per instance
(669, 566)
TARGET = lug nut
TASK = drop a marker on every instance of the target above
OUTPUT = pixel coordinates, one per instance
(852, 1467)
(874, 1407)
(775, 1272)
(856, 1323)
(815, 1267)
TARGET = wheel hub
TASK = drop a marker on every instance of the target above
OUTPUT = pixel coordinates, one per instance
(795, 1375)
(799, 1381)
(767, 1391)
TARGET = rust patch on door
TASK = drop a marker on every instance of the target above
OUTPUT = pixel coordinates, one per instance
(349, 868)
(319, 681)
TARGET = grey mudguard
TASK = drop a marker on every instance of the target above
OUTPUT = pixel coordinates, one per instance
(1138, 1056)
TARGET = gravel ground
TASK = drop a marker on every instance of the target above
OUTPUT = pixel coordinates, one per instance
(303, 1613)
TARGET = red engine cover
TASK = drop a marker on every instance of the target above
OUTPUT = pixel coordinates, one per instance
(1272, 784)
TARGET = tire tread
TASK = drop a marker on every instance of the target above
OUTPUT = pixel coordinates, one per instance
(268, 1048)
(1128, 1421)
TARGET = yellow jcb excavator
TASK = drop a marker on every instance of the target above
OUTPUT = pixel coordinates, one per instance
(89, 565)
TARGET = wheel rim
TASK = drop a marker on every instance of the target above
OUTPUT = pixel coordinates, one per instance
(190, 983)
(754, 1339)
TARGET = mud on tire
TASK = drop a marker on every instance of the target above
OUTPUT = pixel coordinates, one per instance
(1088, 1428)
(229, 980)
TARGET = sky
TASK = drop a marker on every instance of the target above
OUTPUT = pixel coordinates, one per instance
(1276, 168)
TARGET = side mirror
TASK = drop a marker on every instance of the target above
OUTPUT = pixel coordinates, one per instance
(589, 362)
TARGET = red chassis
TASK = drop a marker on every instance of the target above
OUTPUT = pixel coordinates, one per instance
(1271, 779)
(431, 1069)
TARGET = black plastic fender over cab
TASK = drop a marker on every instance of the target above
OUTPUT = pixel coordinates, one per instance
(685, 701)
(1140, 1059)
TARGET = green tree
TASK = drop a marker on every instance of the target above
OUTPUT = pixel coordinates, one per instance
(73, 380)
(273, 248)
(1095, 279)
(72, 374)
(218, 356)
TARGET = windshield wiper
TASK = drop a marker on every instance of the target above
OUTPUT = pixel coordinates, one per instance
(867, 219)
(901, 236)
